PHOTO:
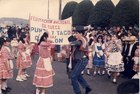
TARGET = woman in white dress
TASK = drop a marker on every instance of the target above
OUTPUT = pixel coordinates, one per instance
(114, 63)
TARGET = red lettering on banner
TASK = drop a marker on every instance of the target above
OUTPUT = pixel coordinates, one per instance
(33, 18)
(62, 22)
(51, 26)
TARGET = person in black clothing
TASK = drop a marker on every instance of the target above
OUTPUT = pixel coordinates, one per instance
(129, 87)
(12, 32)
(80, 62)
(129, 62)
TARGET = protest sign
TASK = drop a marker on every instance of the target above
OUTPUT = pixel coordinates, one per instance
(58, 30)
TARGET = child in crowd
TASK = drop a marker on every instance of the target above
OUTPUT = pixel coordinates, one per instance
(99, 58)
(90, 53)
(14, 44)
(6, 64)
(136, 62)
(23, 58)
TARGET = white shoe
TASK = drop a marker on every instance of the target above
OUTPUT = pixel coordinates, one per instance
(82, 72)
(27, 75)
(1, 92)
(99, 73)
(114, 80)
(23, 77)
(37, 91)
(19, 79)
(94, 73)
(88, 73)
(103, 72)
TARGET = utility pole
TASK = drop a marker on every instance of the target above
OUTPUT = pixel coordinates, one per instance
(48, 9)
(60, 6)
(58, 47)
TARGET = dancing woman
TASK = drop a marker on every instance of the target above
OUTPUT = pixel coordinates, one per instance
(114, 63)
(43, 77)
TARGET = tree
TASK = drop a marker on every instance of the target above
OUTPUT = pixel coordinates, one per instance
(81, 13)
(126, 13)
(101, 14)
(69, 9)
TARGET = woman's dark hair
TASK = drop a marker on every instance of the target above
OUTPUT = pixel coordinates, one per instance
(45, 35)
(100, 36)
(22, 38)
(6, 39)
(1, 42)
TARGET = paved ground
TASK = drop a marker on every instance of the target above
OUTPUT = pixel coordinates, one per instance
(62, 85)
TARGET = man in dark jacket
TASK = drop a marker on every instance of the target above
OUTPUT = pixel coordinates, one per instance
(129, 72)
(80, 62)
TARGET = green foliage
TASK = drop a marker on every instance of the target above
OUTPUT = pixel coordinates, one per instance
(126, 13)
(101, 14)
(69, 9)
(81, 13)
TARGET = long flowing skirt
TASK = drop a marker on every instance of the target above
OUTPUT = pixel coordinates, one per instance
(114, 62)
(42, 77)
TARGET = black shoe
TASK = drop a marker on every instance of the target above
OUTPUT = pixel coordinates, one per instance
(3, 91)
(79, 93)
(8, 89)
(109, 76)
(87, 90)
(88, 74)
(114, 82)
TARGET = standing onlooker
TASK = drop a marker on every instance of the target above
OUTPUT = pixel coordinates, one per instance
(136, 60)
(90, 53)
(43, 77)
(66, 53)
(107, 43)
(14, 44)
(129, 72)
(125, 50)
(99, 58)
(6, 65)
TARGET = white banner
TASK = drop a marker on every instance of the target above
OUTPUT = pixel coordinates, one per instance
(59, 30)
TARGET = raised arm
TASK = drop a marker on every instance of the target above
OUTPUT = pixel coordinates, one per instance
(77, 43)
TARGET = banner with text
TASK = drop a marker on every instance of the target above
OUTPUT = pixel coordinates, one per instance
(58, 30)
